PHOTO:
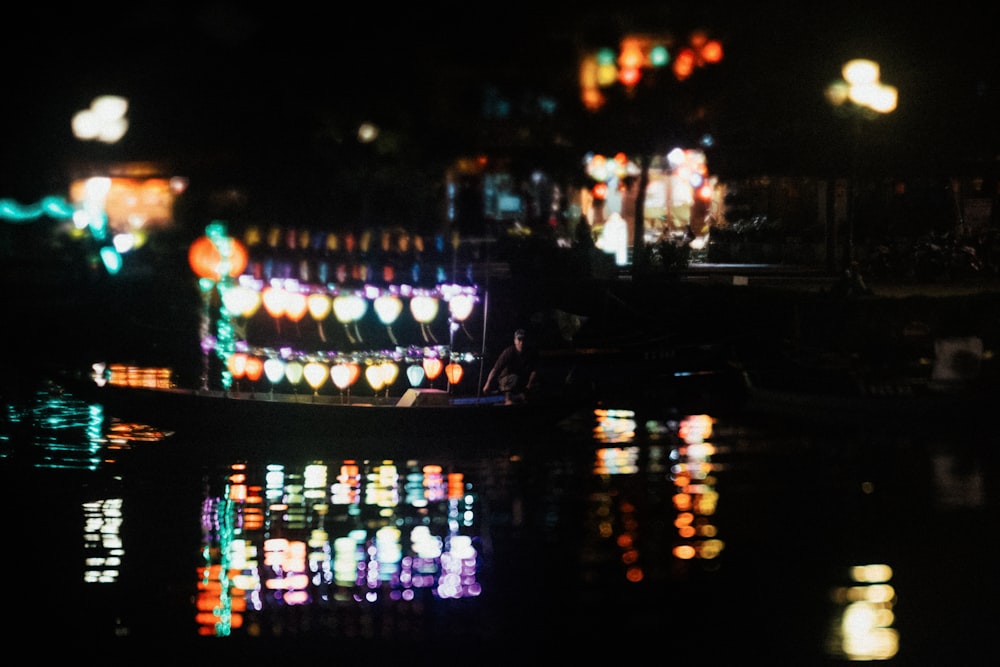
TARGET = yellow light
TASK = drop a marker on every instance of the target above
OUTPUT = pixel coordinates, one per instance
(388, 307)
(320, 305)
(316, 373)
(424, 308)
(349, 307)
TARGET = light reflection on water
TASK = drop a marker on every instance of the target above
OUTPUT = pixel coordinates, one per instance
(806, 545)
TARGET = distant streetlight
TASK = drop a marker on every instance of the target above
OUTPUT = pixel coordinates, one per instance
(104, 121)
(869, 98)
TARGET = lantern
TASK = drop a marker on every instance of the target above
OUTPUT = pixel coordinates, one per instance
(253, 368)
(432, 367)
(375, 376)
(454, 372)
(349, 309)
(424, 308)
(296, 304)
(341, 375)
(274, 299)
(274, 369)
(241, 300)
(237, 364)
(316, 373)
(320, 305)
(388, 308)
(293, 372)
(415, 374)
(217, 256)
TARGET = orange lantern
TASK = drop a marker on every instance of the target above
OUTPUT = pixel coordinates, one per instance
(454, 371)
(432, 367)
(207, 261)
(237, 364)
(254, 368)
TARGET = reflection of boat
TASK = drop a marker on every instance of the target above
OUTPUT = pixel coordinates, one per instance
(419, 415)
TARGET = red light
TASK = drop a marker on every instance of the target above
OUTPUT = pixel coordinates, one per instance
(711, 52)
(600, 191)
(629, 76)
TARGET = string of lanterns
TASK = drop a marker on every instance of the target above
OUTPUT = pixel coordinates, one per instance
(220, 260)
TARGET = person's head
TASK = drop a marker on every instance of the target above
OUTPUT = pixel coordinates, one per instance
(519, 338)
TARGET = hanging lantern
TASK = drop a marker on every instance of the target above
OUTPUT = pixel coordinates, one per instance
(296, 305)
(274, 300)
(274, 369)
(241, 300)
(454, 372)
(388, 308)
(460, 306)
(424, 309)
(415, 374)
(344, 375)
(390, 371)
(432, 367)
(316, 373)
(254, 368)
(293, 372)
(213, 257)
(320, 305)
(349, 309)
(237, 364)
(375, 376)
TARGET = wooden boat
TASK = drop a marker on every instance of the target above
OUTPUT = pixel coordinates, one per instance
(419, 421)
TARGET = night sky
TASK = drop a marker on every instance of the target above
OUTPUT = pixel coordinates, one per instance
(248, 95)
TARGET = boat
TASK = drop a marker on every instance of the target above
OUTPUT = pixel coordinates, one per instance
(955, 384)
(419, 421)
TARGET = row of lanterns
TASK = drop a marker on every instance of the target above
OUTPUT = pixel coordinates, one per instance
(292, 299)
(380, 374)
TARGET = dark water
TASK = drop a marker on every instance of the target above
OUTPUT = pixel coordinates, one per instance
(693, 538)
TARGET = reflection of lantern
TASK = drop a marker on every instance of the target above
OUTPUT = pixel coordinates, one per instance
(454, 371)
(254, 368)
(415, 374)
(315, 373)
(432, 367)
(207, 261)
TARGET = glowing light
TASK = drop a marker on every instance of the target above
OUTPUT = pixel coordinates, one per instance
(320, 305)
(274, 369)
(316, 373)
(415, 374)
(104, 121)
(432, 367)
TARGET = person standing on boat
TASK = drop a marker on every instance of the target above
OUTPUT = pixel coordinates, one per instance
(514, 372)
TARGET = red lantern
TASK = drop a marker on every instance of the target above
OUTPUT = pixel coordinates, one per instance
(454, 371)
(206, 260)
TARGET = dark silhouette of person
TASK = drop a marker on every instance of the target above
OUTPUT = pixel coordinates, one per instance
(514, 372)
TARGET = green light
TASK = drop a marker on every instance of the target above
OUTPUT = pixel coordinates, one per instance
(52, 206)
(606, 56)
(659, 56)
